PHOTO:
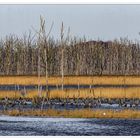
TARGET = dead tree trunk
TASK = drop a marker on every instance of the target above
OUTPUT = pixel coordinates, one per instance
(62, 57)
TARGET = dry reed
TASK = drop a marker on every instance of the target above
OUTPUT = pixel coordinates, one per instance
(131, 92)
(71, 80)
(83, 113)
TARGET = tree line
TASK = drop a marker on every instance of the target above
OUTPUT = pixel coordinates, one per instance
(19, 56)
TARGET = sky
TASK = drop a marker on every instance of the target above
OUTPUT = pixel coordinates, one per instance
(105, 22)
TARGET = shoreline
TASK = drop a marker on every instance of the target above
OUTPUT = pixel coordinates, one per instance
(85, 113)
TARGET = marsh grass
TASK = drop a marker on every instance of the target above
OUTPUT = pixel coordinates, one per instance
(83, 113)
(100, 92)
(70, 80)
(97, 93)
(131, 92)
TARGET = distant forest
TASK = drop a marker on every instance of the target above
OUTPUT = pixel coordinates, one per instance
(19, 56)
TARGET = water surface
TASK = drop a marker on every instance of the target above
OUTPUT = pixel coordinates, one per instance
(23, 126)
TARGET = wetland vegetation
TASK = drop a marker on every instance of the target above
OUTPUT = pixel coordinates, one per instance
(85, 76)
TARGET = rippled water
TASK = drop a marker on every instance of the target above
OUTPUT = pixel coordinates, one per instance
(67, 126)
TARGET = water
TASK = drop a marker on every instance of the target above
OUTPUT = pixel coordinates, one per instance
(51, 87)
(36, 126)
(23, 126)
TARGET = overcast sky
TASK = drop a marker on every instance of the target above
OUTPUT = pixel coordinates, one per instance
(106, 22)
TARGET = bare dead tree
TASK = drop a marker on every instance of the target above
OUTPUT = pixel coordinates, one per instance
(62, 56)
(42, 41)
(39, 47)
(21, 56)
(63, 44)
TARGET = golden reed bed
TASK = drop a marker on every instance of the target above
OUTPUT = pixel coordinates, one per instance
(100, 80)
(130, 92)
(82, 113)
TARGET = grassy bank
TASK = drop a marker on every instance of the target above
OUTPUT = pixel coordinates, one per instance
(84, 113)
(130, 92)
(71, 80)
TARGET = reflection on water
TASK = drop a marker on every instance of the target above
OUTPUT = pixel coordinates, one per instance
(50, 87)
